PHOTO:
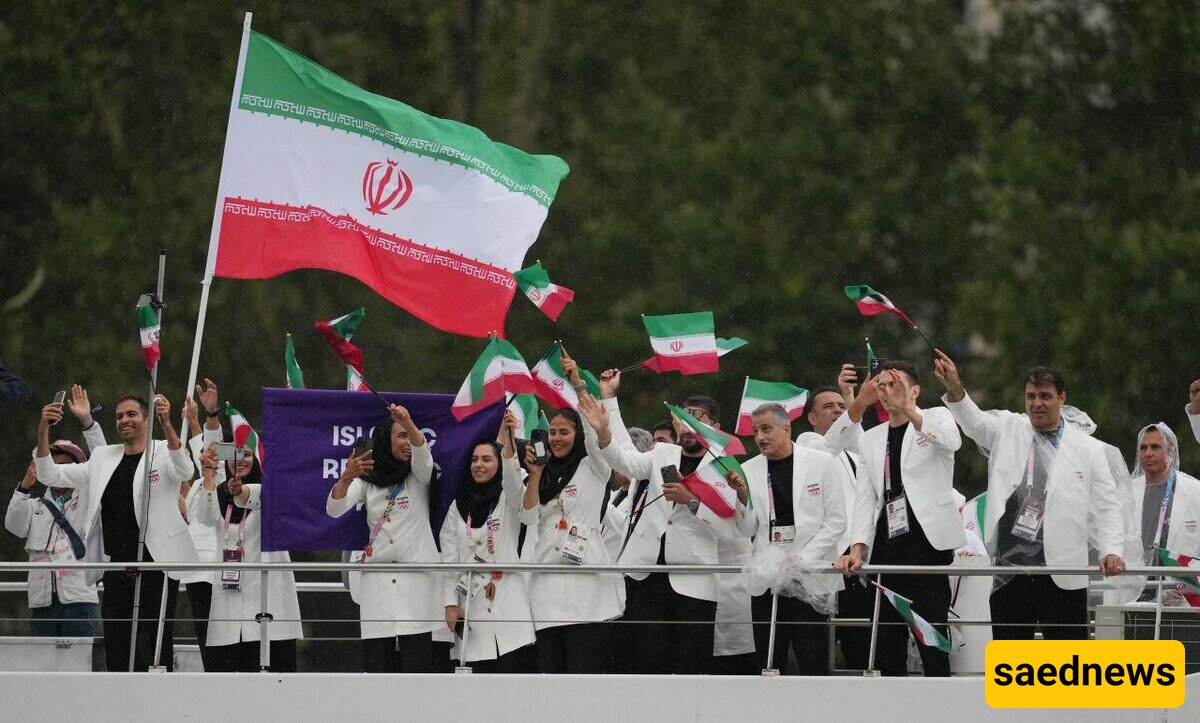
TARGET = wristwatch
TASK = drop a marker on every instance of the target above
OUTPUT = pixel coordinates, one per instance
(694, 505)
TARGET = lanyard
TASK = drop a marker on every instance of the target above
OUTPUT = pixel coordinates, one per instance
(387, 511)
(887, 472)
(771, 498)
(1162, 511)
(487, 524)
(1033, 450)
(241, 525)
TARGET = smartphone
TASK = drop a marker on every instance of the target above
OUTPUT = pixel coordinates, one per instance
(226, 451)
(59, 398)
(860, 374)
(670, 474)
(540, 439)
(362, 445)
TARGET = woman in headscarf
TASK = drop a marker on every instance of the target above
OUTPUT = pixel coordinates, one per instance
(565, 498)
(230, 501)
(397, 611)
(483, 525)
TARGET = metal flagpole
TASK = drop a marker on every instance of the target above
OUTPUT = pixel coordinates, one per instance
(210, 264)
(771, 670)
(1158, 605)
(870, 671)
(147, 457)
(264, 619)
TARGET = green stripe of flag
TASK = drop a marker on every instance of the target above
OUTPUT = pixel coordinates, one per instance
(670, 325)
(279, 81)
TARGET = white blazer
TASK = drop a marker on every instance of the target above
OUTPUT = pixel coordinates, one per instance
(818, 504)
(927, 470)
(166, 532)
(692, 539)
(840, 440)
(1081, 494)
(1183, 530)
(231, 615)
(28, 519)
(504, 623)
(407, 603)
(567, 598)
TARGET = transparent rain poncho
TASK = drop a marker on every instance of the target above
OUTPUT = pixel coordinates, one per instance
(779, 568)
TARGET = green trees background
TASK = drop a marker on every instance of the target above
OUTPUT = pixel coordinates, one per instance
(1019, 177)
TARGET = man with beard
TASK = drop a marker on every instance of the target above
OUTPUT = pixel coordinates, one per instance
(120, 509)
(675, 530)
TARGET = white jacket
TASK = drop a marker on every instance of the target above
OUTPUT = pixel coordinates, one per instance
(1183, 528)
(818, 505)
(29, 519)
(505, 622)
(408, 603)
(231, 618)
(566, 598)
(204, 537)
(165, 530)
(690, 539)
(927, 471)
(1081, 495)
(840, 440)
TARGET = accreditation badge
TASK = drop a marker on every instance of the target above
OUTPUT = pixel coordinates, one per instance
(574, 547)
(231, 579)
(783, 534)
(1029, 518)
(897, 517)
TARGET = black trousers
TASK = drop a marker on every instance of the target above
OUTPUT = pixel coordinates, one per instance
(521, 660)
(856, 601)
(798, 627)
(745, 664)
(243, 657)
(667, 633)
(1026, 602)
(579, 648)
(200, 599)
(116, 608)
(930, 595)
(399, 654)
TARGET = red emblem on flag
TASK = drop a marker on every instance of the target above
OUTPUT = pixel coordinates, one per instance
(558, 385)
(385, 187)
(535, 294)
(676, 345)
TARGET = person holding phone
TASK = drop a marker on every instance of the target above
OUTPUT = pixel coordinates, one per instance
(230, 503)
(120, 507)
(398, 611)
(483, 525)
(669, 525)
(570, 490)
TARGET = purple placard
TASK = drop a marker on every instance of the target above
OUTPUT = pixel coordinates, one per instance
(307, 436)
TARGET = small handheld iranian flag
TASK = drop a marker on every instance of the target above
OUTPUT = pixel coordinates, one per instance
(550, 381)
(922, 630)
(724, 346)
(871, 302)
(337, 333)
(295, 377)
(148, 329)
(525, 408)
(719, 443)
(682, 342)
(500, 369)
(1166, 558)
(535, 283)
(756, 393)
(243, 434)
(709, 485)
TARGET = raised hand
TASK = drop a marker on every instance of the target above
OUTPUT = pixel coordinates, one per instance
(846, 381)
(208, 396)
(610, 382)
(51, 415)
(400, 415)
(30, 478)
(191, 414)
(80, 406)
(571, 369)
(595, 414)
(947, 373)
(162, 409)
(1194, 398)
(358, 465)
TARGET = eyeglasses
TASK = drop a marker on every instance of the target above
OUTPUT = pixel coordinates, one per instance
(699, 414)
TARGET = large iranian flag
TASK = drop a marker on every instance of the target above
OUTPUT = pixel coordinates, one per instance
(499, 370)
(756, 393)
(682, 342)
(319, 173)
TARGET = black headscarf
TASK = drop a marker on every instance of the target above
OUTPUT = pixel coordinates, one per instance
(388, 470)
(476, 500)
(559, 470)
(225, 499)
